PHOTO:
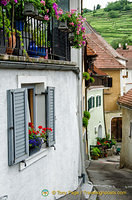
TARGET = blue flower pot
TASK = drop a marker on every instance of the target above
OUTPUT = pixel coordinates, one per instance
(33, 150)
(19, 25)
(33, 50)
(41, 51)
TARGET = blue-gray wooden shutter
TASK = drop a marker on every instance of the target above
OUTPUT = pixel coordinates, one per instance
(51, 115)
(18, 144)
(96, 101)
(99, 100)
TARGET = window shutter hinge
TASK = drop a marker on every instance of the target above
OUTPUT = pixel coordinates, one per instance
(23, 161)
(11, 127)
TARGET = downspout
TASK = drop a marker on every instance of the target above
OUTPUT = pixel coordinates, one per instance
(80, 105)
(80, 118)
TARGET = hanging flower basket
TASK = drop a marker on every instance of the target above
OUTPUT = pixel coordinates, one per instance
(30, 10)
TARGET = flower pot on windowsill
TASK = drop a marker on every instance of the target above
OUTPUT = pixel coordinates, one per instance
(33, 150)
(30, 10)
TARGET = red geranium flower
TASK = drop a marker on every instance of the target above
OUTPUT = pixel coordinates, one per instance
(40, 127)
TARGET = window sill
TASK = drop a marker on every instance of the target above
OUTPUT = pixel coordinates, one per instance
(34, 158)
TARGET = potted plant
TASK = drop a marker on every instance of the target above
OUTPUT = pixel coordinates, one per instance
(95, 153)
(37, 137)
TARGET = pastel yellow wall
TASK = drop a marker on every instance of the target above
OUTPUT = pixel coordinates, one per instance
(111, 95)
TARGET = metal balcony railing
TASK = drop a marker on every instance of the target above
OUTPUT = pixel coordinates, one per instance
(20, 33)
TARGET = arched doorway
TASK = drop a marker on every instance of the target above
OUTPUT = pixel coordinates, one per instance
(100, 131)
(116, 128)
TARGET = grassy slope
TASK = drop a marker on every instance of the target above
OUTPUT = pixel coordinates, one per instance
(111, 28)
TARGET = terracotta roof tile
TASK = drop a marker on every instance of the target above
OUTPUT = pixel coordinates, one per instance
(90, 51)
(126, 100)
(97, 71)
(106, 54)
(127, 53)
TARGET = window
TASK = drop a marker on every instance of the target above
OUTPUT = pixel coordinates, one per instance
(130, 130)
(98, 101)
(91, 103)
(21, 110)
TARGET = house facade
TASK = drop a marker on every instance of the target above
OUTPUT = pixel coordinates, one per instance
(125, 102)
(94, 92)
(39, 90)
(96, 123)
(114, 65)
(127, 81)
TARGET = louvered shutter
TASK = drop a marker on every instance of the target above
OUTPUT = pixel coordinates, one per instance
(99, 100)
(93, 102)
(18, 145)
(51, 115)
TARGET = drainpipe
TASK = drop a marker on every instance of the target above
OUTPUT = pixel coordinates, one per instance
(80, 117)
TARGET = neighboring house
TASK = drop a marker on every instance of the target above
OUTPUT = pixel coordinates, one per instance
(47, 93)
(114, 65)
(94, 98)
(126, 149)
(127, 53)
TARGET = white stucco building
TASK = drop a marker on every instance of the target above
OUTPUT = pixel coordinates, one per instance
(96, 124)
(126, 149)
(51, 90)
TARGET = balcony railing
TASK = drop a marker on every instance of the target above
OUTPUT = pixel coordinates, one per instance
(29, 33)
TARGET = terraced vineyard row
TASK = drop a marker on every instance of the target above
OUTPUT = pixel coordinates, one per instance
(119, 28)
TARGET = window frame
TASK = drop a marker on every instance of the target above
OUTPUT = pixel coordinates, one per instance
(31, 86)
(92, 102)
(130, 133)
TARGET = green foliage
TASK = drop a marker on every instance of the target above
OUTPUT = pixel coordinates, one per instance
(95, 151)
(113, 14)
(92, 80)
(85, 122)
(87, 114)
(98, 7)
(85, 10)
(118, 5)
(86, 76)
(113, 30)
(113, 141)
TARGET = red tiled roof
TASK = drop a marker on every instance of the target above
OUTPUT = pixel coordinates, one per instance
(90, 51)
(127, 53)
(97, 71)
(126, 100)
(106, 54)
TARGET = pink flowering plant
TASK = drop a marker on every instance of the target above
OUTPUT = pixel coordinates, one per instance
(49, 8)
(75, 24)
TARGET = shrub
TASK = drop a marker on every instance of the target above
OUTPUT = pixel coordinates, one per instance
(87, 114)
(113, 14)
(95, 151)
(85, 122)
(86, 76)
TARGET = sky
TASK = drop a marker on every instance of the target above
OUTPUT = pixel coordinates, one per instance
(90, 3)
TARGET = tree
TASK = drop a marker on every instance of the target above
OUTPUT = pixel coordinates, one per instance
(98, 7)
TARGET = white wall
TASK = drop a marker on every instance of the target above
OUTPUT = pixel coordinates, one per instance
(126, 149)
(96, 119)
(58, 169)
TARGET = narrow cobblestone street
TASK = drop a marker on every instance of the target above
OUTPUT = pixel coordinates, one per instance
(109, 181)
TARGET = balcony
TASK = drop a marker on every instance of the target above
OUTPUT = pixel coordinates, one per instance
(26, 33)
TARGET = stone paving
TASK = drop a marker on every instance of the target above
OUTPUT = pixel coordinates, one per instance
(110, 182)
